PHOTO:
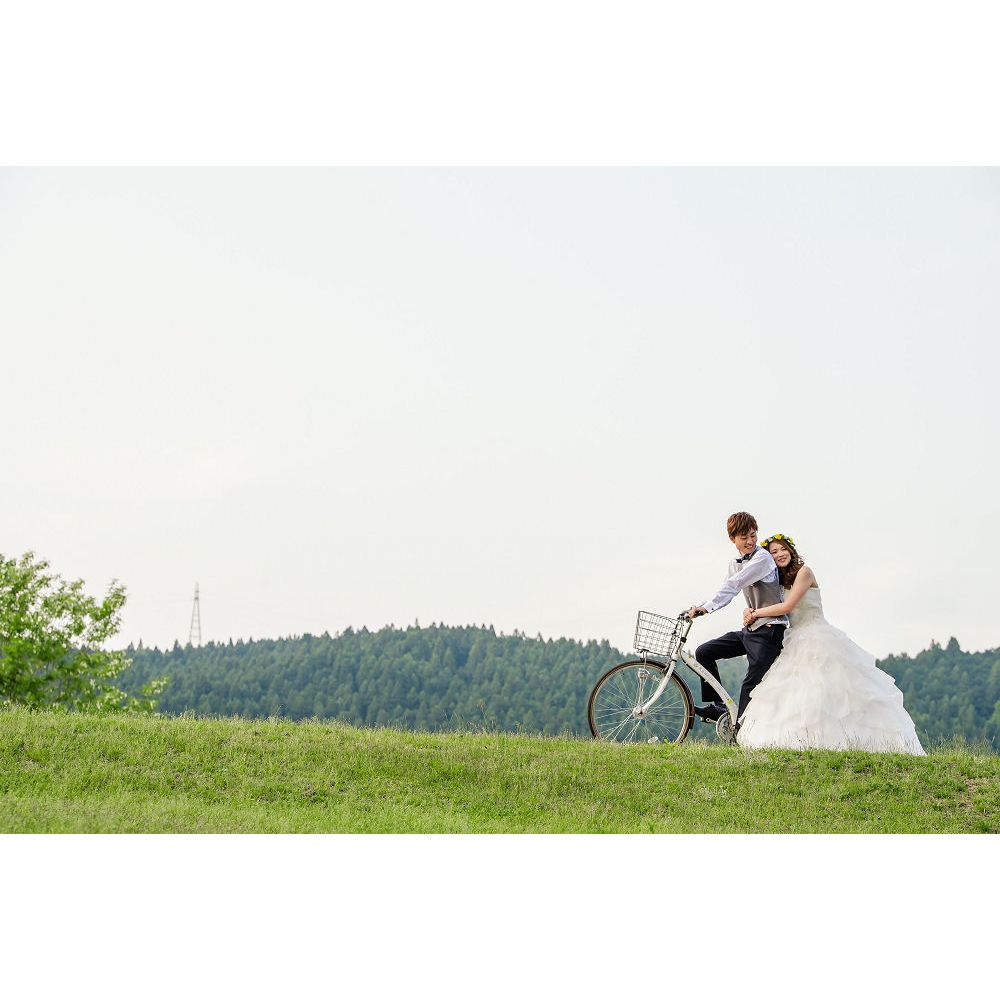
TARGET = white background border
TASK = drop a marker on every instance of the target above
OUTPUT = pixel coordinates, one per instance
(519, 83)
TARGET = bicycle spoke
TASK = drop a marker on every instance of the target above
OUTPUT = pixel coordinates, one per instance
(613, 732)
(621, 725)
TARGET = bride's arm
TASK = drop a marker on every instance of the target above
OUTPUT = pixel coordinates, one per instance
(804, 579)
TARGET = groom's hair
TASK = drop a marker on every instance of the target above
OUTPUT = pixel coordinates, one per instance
(740, 523)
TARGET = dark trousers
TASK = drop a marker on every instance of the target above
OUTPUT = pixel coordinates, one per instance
(761, 648)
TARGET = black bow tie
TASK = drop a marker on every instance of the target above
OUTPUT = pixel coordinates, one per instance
(749, 555)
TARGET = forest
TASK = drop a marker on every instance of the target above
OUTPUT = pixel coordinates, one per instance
(443, 678)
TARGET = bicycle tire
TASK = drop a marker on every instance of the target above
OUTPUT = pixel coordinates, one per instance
(609, 710)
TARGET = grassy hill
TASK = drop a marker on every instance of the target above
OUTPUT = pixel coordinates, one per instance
(132, 774)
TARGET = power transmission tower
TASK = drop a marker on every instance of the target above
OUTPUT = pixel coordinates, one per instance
(194, 636)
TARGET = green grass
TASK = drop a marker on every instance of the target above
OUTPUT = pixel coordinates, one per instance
(145, 774)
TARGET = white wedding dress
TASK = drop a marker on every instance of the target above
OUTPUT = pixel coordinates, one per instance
(824, 691)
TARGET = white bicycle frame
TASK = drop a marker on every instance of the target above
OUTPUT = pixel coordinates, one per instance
(689, 661)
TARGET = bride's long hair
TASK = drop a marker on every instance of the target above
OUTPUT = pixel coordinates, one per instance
(787, 575)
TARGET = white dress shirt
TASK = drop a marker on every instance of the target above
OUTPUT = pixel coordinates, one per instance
(760, 566)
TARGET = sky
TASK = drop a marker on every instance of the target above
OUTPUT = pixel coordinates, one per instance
(520, 397)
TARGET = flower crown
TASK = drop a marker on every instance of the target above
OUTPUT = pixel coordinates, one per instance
(779, 537)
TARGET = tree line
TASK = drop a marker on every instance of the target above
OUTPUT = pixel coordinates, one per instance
(434, 678)
(455, 677)
(950, 692)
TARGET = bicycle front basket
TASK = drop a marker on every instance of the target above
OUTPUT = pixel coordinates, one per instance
(656, 634)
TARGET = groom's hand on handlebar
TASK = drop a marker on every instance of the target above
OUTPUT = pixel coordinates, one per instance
(694, 612)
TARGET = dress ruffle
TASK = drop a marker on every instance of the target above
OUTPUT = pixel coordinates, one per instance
(825, 691)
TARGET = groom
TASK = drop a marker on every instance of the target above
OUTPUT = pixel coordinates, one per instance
(756, 574)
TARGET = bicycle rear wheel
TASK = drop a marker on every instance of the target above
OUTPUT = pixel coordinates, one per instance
(611, 711)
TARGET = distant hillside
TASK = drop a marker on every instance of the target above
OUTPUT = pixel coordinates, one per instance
(950, 692)
(450, 678)
(435, 678)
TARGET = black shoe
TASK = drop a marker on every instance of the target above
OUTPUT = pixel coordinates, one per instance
(711, 712)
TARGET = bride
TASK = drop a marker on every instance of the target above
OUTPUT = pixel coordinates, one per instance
(823, 690)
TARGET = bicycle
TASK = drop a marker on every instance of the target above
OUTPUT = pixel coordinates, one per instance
(625, 707)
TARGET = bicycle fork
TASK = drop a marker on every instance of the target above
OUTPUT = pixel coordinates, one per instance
(642, 707)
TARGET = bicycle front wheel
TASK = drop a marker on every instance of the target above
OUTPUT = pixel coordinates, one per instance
(617, 695)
